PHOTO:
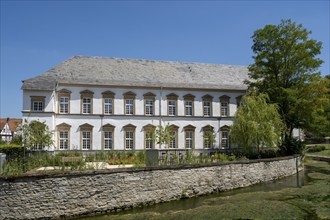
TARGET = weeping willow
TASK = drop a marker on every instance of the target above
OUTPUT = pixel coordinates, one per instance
(257, 124)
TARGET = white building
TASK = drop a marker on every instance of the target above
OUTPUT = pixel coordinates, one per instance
(94, 103)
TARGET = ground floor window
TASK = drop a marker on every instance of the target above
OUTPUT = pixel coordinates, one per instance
(86, 140)
(224, 139)
(189, 139)
(129, 140)
(64, 140)
(107, 140)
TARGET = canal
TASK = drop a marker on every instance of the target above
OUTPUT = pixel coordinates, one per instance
(281, 199)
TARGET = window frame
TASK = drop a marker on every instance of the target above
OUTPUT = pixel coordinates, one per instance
(207, 128)
(63, 93)
(131, 129)
(172, 97)
(147, 129)
(39, 99)
(189, 129)
(108, 95)
(175, 130)
(225, 100)
(86, 94)
(224, 129)
(63, 128)
(207, 98)
(189, 98)
(86, 128)
(129, 96)
(108, 128)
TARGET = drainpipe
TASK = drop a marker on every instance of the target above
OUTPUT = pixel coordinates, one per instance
(55, 113)
(219, 125)
(160, 111)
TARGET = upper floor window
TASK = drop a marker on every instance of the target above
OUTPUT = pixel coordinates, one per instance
(107, 136)
(207, 105)
(224, 106)
(86, 102)
(189, 136)
(108, 98)
(189, 104)
(129, 137)
(238, 100)
(64, 104)
(37, 103)
(64, 101)
(149, 101)
(63, 136)
(86, 131)
(172, 104)
(87, 105)
(129, 98)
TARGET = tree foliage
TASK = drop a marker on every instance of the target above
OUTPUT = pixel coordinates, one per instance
(163, 135)
(257, 124)
(35, 133)
(285, 68)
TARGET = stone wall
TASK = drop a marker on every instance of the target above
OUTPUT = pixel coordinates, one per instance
(74, 194)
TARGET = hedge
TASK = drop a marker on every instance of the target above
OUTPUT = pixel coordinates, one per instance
(12, 151)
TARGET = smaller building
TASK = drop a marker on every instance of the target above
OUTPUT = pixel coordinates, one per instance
(9, 128)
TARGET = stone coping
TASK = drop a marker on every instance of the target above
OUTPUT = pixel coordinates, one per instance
(72, 174)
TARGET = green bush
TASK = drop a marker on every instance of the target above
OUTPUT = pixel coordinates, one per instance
(316, 148)
(12, 151)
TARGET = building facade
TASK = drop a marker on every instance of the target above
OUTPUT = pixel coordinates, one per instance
(94, 103)
(8, 128)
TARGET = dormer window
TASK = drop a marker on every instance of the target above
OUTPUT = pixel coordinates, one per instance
(37, 103)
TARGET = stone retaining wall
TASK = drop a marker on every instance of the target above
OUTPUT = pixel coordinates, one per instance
(74, 194)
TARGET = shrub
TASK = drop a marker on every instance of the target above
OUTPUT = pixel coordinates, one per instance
(12, 151)
(316, 148)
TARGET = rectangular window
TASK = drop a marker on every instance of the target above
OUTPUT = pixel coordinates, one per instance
(108, 106)
(172, 107)
(149, 106)
(189, 108)
(64, 104)
(189, 139)
(149, 141)
(38, 106)
(87, 105)
(86, 140)
(207, 108)
(107, 140)
(224, 108)
(224, 139)
(173, 140)
(129, 140)
(37, 147)
(129, 106)
(64, 140)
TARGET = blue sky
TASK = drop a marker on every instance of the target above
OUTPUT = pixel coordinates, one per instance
(37, 35)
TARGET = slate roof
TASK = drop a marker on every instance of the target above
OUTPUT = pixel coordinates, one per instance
(130, 72)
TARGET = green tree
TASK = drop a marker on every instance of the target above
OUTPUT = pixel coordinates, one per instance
(164, 135)
(285, 68)
(257, 124)
(209, 136)
(36, 135)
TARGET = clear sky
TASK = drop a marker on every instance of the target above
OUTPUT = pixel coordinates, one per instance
(37, 35)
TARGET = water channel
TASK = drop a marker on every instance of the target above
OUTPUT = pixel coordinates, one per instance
(281, 199)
